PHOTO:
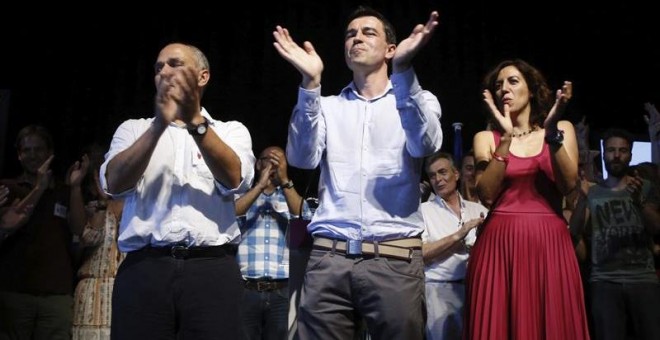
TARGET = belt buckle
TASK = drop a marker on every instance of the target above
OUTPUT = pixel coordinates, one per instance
(354, 247)
(179, 251)
(263, 285)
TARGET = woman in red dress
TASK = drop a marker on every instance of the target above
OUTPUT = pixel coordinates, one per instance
(523, 276)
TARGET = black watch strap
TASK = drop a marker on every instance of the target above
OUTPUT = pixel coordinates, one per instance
(199, 129)
(555, 139)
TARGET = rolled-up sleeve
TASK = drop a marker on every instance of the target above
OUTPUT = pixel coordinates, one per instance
(124, 137)
(238, 138)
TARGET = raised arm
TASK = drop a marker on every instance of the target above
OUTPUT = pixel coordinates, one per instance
(126, 168)
(409, 47)
(489, 172)
(564, 154)
(293, 199)
(244, 202)
(77, 215)
(20, 211)
(490, 161)
(304, 59)
(653, 121)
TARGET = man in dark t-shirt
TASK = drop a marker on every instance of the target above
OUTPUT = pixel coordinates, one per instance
(36, 263)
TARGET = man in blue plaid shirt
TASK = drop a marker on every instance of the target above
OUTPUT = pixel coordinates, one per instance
(264, 213)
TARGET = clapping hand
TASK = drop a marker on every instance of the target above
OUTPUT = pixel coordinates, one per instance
(563, 96)
(17, 215)
(78, 171)
(304, 59)
(409, 47)
(634, 187)
(502, 118)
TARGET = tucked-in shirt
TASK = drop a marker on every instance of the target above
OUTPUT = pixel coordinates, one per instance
(263, 252)
(370, 152)
(440, 222)
(177, 199)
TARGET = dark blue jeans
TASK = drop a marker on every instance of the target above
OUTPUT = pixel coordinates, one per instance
(265, 314)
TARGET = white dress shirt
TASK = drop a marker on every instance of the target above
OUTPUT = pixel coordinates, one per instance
(177, 199)
(439, 222)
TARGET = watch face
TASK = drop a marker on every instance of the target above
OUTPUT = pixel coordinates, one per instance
(201, 129)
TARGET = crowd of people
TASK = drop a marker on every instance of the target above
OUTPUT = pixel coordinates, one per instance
(176, 230)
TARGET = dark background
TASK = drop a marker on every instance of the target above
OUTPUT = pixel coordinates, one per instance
(82, 74)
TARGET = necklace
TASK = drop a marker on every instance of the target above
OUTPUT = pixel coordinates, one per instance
(524, 133)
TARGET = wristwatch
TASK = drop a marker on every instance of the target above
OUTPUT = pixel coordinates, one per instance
(199, 129)
(557, 139)
(288, 185)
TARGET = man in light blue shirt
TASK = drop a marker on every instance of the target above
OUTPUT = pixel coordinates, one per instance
(369, 142)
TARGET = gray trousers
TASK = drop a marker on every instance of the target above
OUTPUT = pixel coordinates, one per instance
(339, 292)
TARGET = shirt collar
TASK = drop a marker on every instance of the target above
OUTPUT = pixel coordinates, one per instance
(351, 88)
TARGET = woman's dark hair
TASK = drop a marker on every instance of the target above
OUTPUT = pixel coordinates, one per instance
(541, 98)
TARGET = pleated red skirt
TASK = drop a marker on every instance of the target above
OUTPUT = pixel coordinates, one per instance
(524, 281)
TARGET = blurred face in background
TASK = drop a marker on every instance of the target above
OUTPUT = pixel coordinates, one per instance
(443, 177)
(33, 151)
(467, 170)
(617, 156)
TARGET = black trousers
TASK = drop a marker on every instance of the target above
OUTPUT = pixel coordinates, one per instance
(157, 296)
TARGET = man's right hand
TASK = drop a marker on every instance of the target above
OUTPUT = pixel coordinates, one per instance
(306, 60)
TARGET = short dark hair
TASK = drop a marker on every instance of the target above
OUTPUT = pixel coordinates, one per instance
(618, 132)
(35, 130)
(365, 11)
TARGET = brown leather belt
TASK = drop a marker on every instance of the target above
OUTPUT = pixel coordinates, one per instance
(401, 249)
(263, 285)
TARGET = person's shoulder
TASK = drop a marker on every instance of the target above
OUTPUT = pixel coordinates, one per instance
(484, 134)
(137, 122)
(428, 206)
(483, 138)
(565, 124)
(229, 124)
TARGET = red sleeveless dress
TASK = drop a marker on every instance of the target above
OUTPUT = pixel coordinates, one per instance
(523, 277)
